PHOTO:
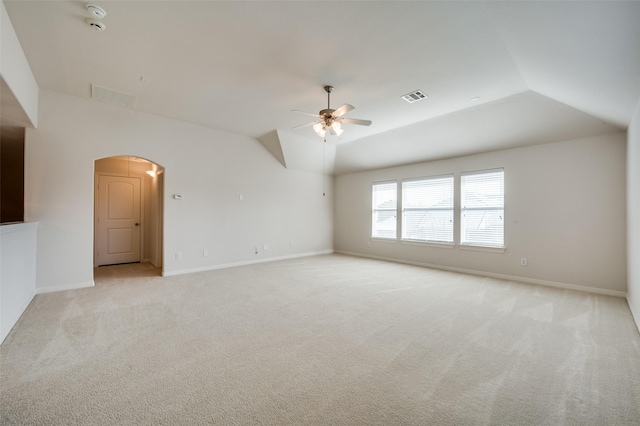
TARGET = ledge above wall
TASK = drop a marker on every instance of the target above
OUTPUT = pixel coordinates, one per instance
(297, 152)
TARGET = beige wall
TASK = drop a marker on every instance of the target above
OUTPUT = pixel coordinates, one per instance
(633, 215)
(564, 212)
(210, 168)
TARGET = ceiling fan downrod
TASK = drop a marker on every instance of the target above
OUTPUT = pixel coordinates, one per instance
(326, 113)
(328, 89)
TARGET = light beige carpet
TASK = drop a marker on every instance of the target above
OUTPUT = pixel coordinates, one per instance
(330, 340)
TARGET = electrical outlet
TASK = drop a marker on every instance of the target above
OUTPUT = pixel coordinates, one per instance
(266, 246)
(178, 256)
(523, 261)
(291, 244)
(205, 253)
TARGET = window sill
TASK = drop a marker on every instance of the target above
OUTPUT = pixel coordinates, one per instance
(428, 244)
(384, 240)
(483, 248)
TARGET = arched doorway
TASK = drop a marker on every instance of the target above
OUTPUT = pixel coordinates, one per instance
(128, 211)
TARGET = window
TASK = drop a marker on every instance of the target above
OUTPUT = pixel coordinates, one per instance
(385, 208)
(427, 209)
(482, 208)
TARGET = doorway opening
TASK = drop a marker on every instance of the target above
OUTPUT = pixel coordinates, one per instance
(128, 211)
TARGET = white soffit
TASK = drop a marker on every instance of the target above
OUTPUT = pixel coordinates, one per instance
(12, 112)
(297, 152)
(271, 141)
(19, 86)
(585, 54)
(524, 119)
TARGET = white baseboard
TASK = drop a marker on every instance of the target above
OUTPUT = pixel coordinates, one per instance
(76, 286)
(242, 263)
(14, 319)
(493, 275)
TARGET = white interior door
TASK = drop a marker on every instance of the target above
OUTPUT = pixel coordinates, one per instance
(118, 220)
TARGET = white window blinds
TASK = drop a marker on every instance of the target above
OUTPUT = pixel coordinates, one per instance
(482, 208)
(385, 210)
(427, 209)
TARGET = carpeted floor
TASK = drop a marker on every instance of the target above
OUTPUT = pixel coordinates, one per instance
(329, 340)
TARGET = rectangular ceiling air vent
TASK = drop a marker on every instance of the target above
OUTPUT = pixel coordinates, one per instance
(414, 96)
(113, 96)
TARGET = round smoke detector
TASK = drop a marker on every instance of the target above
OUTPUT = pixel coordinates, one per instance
(98, 25)
(96, 11)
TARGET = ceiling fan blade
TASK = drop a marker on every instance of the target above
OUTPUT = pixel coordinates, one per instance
(306, 113)
(356, 121)
(342, 110)
(304, 125)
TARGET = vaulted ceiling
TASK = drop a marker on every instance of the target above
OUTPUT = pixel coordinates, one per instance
(497, 74)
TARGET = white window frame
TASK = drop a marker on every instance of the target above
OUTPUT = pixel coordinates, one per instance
(390, 207)
(494, 204)
(406, 208)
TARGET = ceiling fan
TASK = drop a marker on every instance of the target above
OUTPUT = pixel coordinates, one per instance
(332, 119)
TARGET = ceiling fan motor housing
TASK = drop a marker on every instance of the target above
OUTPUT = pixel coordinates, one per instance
(327, 116)
(330, 119)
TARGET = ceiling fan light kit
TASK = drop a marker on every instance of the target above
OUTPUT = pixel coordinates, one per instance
(320, 129)
(332, 119)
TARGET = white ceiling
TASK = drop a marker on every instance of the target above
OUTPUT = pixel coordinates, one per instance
(544, 71)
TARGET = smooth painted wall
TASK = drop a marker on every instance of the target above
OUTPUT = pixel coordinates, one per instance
(564, 212)
(211, 169)
(17, 272)
(633, 215)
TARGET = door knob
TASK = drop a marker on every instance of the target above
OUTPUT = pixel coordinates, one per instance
(137, 224)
